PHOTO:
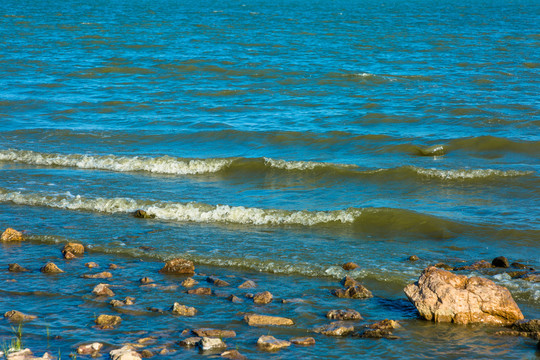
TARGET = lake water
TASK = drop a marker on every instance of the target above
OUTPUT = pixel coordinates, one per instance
(272, 141)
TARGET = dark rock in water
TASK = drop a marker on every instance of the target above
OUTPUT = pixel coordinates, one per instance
(146, 280)
(482, 264)
(501, 262)
(348, 314)
(178, 266)
(349, 266)
(145, 354)
(521, 266)
(16, 268)
(190, 342)
(234, 299)
(264, 297)
(527, 325)
(348, 281)
(353, 292)
(17, 316)
(200, 291)
(413, 258)
(443, 266)
(155, 309)
(380, 329)
(141, 214)
(51, 268)
(217, 282)
(303, 341)
(517, 274)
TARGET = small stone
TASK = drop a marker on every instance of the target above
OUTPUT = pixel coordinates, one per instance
(233, 354)
(141, 214)
(146, 354)
(190, 341)
(209, 343)
(349, 266)
(101, 275)
(200, 291)
(69, 255)
(344, 315)
(206, 332)
(303, 341)
(258, 320)
(183, 310)
(385, 324)
(353, 292)
(113, 266)
(102, 290)
(501, 262)
(413, 258)
(17, 316)
(247, 285)
(91, 265)
(75, 249)
(335, 329)
(147, 340)
(178, 266)
(217, 282)
(89, 348)
(348, 281)
(108, 321)
(270, 343)
(11, 235)
(51, 268)
(443, 266)
(146, 280)
(189, 282)
(129, 300)
(125, 353)
(234, 299)
(16, 268)
(117, 303)
(294, 301)
(264, 297)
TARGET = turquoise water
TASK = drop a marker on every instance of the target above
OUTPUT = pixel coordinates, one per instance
(274, 141)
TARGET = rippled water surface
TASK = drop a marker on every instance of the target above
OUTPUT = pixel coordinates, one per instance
(272, 141)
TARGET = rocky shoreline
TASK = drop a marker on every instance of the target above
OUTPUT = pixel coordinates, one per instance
(439, 295)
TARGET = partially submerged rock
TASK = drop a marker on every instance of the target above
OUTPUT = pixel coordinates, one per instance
(72, 248)
(442, 296)
(348, 281)
(349, 266)
(102, 290)
(178, 266)
(348, 314)
(260, 320)
(17, 316)
(108, 321)
(89, 349)
(189, 282)
(306, 341)
(353, 292)
(51, 268)
(248, 284)
(190, 341)
(264, 297)
(217, 282)
(200, 291)
(120, 303)
(141, 214)
(101, 275)
(234, 299)
(501, 262)
(413, 258)
(233, 355)
(380, 329)
(482, 264)
(125, 353)
(183, 310)
(270, 343)
(10, 235)
(210, 343)
(16, 268)
(91, 265)
(219, 333)
(335, 329)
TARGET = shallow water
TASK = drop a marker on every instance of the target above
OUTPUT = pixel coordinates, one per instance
(272, 141)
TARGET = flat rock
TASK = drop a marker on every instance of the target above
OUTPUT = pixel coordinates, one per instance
(349, 266)
(482, 264)
(335, 329)
(51, 268)
(377, 334)
(108, 321)
(306, 341)
(233, 354)
(183, 310)
(178, 266)
(210, 343)
(101, 275)
(248, 284)
(17, 316)
(270, 343)
(189, 282)
(264, 297)
(217, 282)
(16, 268)
(261, 320)
(200, 291)
(348, 314)
(190, 341)
(124, 353)
(442, 296)
(353, 292)
(73, 248)
(11, 235)
(89, 348)
(217, 333)
(102, 290)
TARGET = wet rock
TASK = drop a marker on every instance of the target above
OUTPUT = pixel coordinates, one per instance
(145, 354)
(348, 314)
(190, 342)
(113, 266)
(521, 266)
(295, 301)
(108, 321)
(264, 297)
(147, 340)
(380, 329)
(303, 341)
(348, 281)
(200, 291)
(217, 282)
(210, 343)
(102, 290)
(259, 320)
(443, 266)
(270, 343)
(25, 354)
(217, 333)
(189, 282)
(527, 325)
(247, 285)
(353, 292)
(531, 277)
(120, 303)
(17, 316)
(16, 268)
(124, 353)
(501, 262)
(89, 349)
(101, 275)
(146, 280)
(233, 355)
(178, 266)
(385, 324)
(183, 310)
(517, 274)
(349, 266)
(91, 265)
(69, 256)
(482, 264)
(141, 214)
(51, 268)
(413, 258)
(335, 329)
(442, 296)
(234, 299)
(75, 249)
(10, 235)
(129, 300)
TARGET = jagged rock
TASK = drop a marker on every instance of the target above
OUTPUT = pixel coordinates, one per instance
(101, 275)
(69, 256)
(353, 292)
(335, 329)
(217, 282)
(17, 316)
(348, 314)
(349, 266)
(248, 284)
(501, 262)
(348, 281)
(443, 266)
(216, 333)
(189, 282)
(141, 214)
(210, 343)
(442, 296)
(146, 280)
(270, 343)
(234, 299)
(11, 235)
(303, 341)
(89, 349)
(190, 342)
(75, 249)
(380, 329)
(200, 291)
(108, 321)
(102, 290)
(233, 355)
(51, 268)
(264, 297)
(17, 268)
(413, 258)
(178, 266)
(482, 264)
(91, 265)
(183, 310)
(258, 320)
(125, 353)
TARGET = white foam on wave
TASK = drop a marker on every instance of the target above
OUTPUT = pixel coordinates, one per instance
(301, 165)
(468, 173)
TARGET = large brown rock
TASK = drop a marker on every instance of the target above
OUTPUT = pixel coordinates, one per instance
(73, 248)
(51, 268)
(257, 320)
(108, 321)
(11, 235)
(442, 296)
(178, 266)
(102, 290)
(264, 297)
(101, 275)
(17, 316)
